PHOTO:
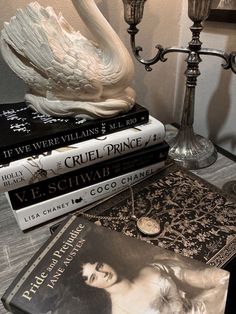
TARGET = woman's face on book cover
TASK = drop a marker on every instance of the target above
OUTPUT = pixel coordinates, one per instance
(99, 275)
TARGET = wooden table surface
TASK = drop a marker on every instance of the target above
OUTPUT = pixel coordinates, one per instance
(17, 246)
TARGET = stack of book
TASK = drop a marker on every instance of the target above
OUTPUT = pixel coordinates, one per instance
(52, 166)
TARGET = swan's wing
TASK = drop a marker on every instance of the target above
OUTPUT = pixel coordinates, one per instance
(64, 57)
(23, 69)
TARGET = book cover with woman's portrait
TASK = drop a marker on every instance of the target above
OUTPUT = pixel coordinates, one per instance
(86, 268)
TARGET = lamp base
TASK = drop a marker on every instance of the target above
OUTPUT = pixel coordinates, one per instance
(191, 151)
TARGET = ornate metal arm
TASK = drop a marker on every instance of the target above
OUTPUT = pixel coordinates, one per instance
(233, 61)
(160, 55)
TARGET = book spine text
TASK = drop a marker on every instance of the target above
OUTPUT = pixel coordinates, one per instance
(82, 133)
(37, 168)
(81, 178)
(38, 213)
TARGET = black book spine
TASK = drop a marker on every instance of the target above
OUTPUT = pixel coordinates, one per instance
(84, 132)
(90, 175)
(10, 298)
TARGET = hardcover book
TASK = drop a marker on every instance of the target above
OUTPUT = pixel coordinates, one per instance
(25, 132)
(52, 163)
(196, 218)
(86, 176)
(86, 268)
(38, 213)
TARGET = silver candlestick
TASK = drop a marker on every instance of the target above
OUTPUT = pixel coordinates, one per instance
(186, 148)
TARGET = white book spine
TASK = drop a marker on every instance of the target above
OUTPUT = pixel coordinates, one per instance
(33, 215)
(33, 169)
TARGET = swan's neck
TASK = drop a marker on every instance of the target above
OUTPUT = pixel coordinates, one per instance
(115, 51)
(96, 23)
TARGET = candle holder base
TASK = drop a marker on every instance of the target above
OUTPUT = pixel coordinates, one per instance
(192, 151)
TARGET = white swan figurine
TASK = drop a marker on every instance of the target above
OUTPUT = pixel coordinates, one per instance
(67, 74)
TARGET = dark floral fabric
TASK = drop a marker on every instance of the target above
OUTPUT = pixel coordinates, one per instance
(196, 219)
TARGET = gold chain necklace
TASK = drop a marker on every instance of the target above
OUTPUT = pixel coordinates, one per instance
(146, 225)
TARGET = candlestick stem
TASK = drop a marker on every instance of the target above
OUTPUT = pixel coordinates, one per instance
(188, 149)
